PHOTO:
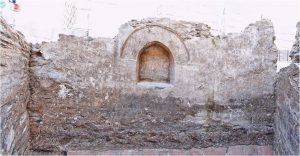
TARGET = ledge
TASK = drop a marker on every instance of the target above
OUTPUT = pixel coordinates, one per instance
(155, 85)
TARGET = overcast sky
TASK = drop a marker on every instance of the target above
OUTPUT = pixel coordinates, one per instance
(43, 20)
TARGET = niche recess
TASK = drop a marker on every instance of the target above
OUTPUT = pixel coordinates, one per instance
(155, 65)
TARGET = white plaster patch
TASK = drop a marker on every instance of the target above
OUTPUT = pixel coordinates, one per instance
(25, 128)
(9, 139)
(106, 96)
(22, 118)
(92, 80)
(63, 92)
(45, 83)
(8, 108)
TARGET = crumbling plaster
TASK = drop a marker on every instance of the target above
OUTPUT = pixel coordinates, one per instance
(85, 89)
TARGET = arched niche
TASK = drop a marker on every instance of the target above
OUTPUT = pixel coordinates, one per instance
(155, 64)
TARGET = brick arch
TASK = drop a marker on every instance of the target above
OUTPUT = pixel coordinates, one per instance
(149, 33)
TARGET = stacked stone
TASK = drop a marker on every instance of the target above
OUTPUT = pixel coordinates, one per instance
(11, 38)
(15, 94)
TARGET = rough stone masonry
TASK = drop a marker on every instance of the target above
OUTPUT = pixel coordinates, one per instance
(158, 84)
(15, 94)
(287, 90)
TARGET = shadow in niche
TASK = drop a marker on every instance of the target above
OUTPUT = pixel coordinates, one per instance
(155, 67)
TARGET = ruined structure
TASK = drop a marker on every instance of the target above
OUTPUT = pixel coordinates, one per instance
(287, 89)
(15, 92)
(158, 84)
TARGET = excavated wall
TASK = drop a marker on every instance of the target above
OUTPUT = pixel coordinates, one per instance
(287, 90)
(114, 93)
(15, 92)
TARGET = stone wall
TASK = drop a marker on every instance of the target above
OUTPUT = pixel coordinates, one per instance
(287, 89)
(14, 60)
(86, 92)
(295, 54)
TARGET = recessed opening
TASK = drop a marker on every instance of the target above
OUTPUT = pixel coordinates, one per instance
(155, 64)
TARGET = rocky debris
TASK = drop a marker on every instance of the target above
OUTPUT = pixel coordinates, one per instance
(295, 52)
(15, 94)
(231, 150)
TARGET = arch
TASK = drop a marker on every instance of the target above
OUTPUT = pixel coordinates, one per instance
(167, 29)
(155, 63)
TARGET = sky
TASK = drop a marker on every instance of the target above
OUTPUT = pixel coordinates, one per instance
(43, 20)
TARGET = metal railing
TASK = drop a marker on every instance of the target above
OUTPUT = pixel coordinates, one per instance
(283, 55)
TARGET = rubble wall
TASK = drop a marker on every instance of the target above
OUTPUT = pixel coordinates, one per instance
(287, 90)
(87, 94)
(15, 94)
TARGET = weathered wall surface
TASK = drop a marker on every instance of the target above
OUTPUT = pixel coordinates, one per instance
(295, 52)
(87, 95)
(286, 139)
(14, 60)
(287, 90)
